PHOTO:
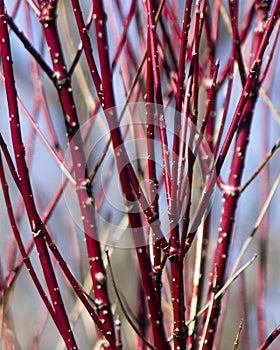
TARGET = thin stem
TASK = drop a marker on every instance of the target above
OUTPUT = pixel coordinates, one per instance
(128, 179)
(151, 24)
(236, 170)
(237, 338)
(129, 320)
(261, 166)
(64, 88)
(30, 48)
(152, 175)
(258, 222)
(227, 284)
(35, 222)
(270, 339)
(24, 254)
(34, 7)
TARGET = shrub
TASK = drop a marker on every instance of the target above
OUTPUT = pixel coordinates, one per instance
(147, 130)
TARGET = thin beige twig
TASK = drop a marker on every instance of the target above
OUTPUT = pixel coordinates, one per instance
(210, 308)
(258, 222)
(128, 97)
(196, 278)
(237, 338)
(225, 17)
(269, 104)
(224, 288)
(261, 166)
(129, 320)
(81, 79)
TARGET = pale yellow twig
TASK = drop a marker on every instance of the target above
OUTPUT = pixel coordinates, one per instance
(196, 278)
(258, 222)
(269, 104)
(225, 287)
(237, 338)
(225, 16)
(210, 308)
(81, 79)
(261, 166)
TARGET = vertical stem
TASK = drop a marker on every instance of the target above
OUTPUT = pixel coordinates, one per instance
(176, 257)
(264, 229)
(244, 311)
(129, 181)
(230, 196)
(151, 24)
(35, 222)
(83, 190)
(177, 141)
(23, 252)
(152, 176)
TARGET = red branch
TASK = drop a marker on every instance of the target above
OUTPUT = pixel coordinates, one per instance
(63, 85)
(35, 222)
(230, 195)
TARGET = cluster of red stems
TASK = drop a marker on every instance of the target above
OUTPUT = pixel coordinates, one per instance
(167, 53)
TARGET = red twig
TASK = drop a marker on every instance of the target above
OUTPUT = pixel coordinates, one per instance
(270, 339)
(128, 180)
(63, 85)
(23, 252)
(35, 222)
(152, 176)
(230, 196)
